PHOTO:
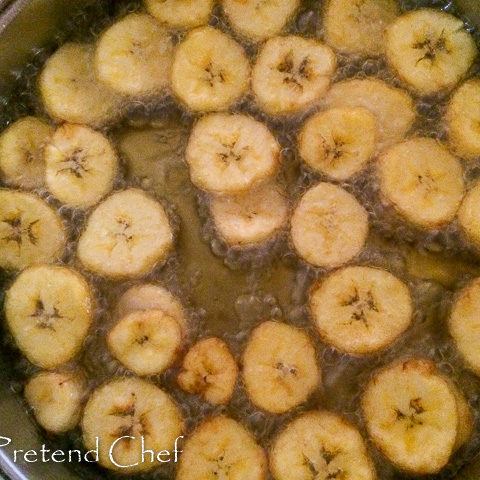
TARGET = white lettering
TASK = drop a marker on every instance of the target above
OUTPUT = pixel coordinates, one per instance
(176, 449)
(110, 453)
(15, 455)
(30, 453)
(163, 453)
(58, 453)
(77, 452)
(7, 440)
(96, 450)
(150, 452)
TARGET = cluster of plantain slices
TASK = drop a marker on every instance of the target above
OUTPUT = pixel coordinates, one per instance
(234, 158)
(64, 159)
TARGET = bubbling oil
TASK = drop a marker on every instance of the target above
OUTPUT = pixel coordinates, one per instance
(228, 291)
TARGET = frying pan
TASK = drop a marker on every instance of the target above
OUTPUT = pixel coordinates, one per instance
(25, 27)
